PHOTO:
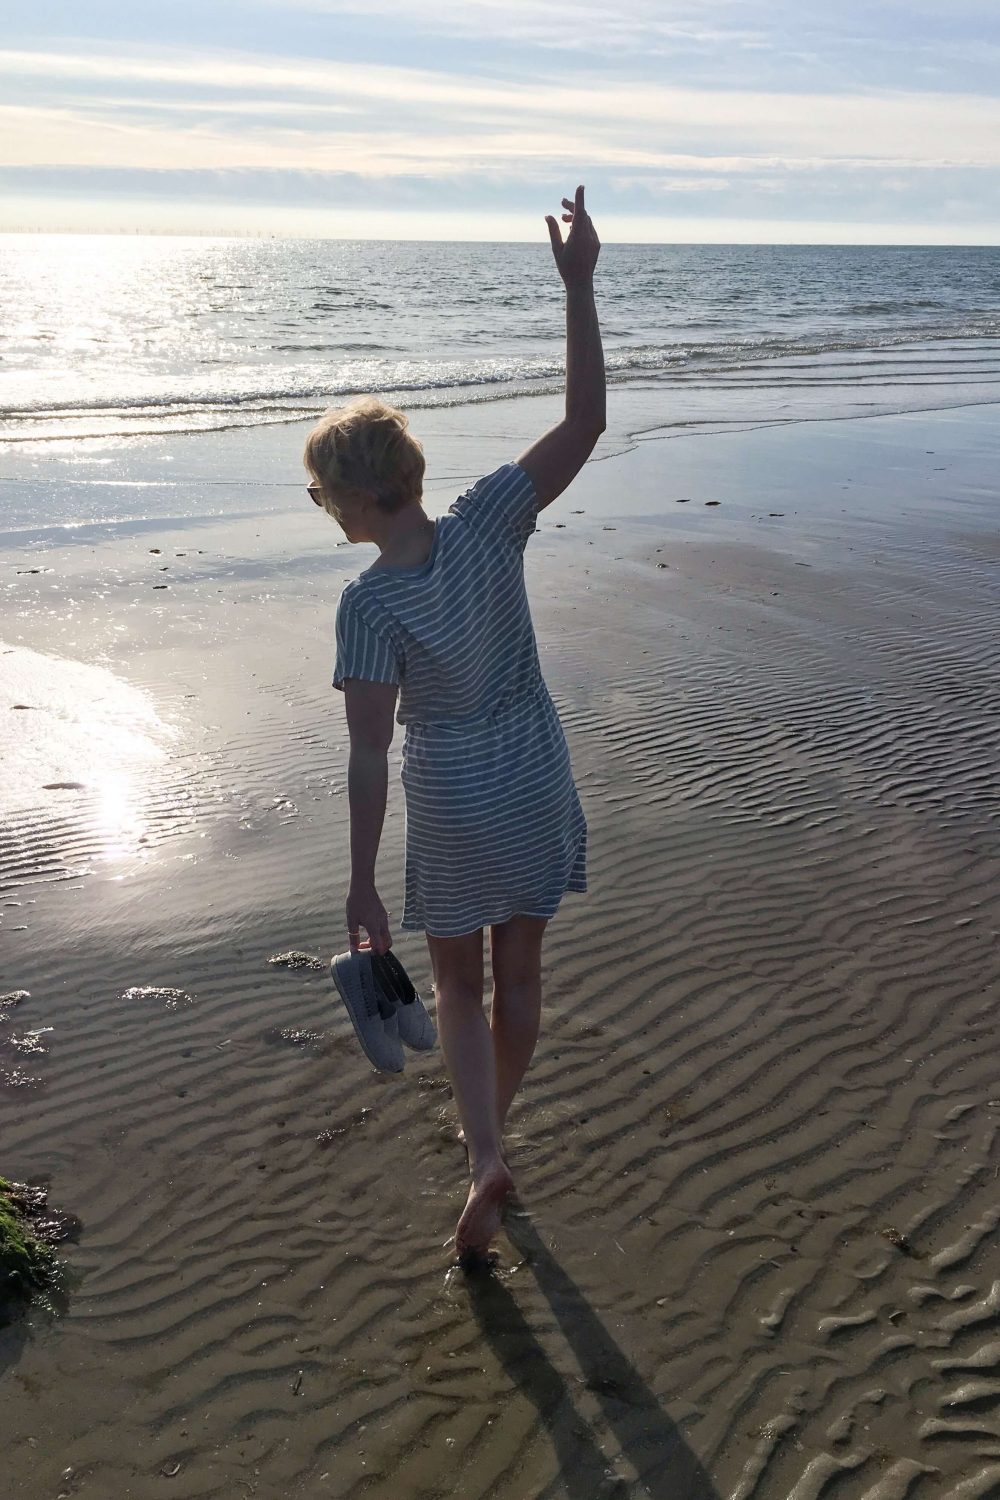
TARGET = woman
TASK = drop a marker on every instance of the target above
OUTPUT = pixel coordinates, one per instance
(495, 834)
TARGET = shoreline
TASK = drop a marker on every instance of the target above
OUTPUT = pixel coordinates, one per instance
(756, 1148)
(233, 464)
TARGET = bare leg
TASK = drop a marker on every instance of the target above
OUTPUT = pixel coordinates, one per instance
(516, 951)
(468, 1053)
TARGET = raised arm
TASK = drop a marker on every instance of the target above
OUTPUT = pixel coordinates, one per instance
(556, 458)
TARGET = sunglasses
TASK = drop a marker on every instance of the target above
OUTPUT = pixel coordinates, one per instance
(315, 493)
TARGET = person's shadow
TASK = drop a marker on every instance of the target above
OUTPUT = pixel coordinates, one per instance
(652, 1443)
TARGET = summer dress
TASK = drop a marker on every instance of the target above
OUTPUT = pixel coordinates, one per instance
(494, 824)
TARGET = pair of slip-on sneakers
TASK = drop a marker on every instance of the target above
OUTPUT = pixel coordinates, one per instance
(385, 1009)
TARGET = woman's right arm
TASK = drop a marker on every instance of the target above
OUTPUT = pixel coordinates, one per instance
(370, 709)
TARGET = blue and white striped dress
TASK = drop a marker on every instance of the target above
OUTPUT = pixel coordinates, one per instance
(494, 825)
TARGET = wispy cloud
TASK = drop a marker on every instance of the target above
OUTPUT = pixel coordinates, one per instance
(801, 107)
(666, 187)
(925, 128)
(566, 25)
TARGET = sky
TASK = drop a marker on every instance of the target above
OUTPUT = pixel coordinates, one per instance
(754, 121)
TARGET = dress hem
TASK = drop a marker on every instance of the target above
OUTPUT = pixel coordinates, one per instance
(517, 911)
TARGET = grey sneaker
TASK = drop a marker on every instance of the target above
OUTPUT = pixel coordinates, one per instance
(416, 1028)
(370, 1009)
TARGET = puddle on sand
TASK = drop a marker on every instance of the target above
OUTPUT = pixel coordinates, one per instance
(28, 1043)
(83, 743)
(334, 1132)
(296, 1036)
(17, 1078)
(11, 999)
(170, 998)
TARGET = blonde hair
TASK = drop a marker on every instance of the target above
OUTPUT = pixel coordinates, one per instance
(365, 445)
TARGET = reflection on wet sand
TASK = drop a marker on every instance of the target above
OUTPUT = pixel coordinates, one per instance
(71, 727)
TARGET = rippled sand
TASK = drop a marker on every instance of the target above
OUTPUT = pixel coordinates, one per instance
(754, 1250)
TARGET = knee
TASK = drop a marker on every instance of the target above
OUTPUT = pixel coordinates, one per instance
(458, 995)
(515, 992)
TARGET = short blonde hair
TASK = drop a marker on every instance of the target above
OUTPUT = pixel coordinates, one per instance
(365, 445)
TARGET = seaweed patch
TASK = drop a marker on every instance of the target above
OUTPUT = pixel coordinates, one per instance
(29, 1233)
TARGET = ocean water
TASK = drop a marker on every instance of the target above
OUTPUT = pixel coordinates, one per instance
(108, 338)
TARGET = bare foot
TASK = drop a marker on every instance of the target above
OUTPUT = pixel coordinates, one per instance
(481, 1218)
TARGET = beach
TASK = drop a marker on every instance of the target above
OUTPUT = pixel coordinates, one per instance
(753, 1252)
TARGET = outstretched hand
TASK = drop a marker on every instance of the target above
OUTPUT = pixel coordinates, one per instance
(576, 256)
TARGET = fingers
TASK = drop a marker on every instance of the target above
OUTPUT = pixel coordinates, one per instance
(379, 941)
(376, 929)
(574, 209)
(575, 216)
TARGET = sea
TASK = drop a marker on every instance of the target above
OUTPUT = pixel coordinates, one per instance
(146, 377)
(107, 341)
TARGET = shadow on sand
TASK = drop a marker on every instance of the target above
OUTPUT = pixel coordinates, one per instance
(650, 1442)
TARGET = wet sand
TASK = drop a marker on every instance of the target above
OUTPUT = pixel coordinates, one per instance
(754, 1253)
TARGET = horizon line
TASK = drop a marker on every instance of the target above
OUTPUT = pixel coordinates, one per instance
(266, 234)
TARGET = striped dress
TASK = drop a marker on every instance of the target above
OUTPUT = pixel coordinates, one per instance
(494, 825)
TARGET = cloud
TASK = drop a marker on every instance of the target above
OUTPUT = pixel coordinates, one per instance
(662, 187)
(418, 112)
(643, 123)
(73, 137)
(720, 43)
(636, 27)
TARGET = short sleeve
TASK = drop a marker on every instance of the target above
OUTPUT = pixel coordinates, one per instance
(362, 650)
(503, 505)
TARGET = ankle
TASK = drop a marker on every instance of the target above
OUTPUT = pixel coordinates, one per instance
(486, 1164)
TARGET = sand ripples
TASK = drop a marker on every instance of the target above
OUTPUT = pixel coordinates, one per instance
(754, 1255)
